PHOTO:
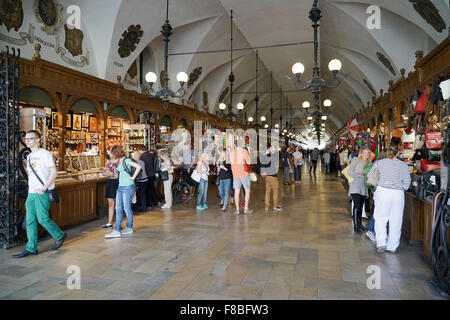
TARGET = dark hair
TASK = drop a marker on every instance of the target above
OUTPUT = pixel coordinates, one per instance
(392, 151)
(141, 147)
(36, 133)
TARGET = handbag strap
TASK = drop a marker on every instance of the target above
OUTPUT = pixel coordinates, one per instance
(431, 126)
(35, 173)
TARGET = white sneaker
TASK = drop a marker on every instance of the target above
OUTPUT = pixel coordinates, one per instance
(371, 235)
(278, 208)
(113, 234)
(127, 231)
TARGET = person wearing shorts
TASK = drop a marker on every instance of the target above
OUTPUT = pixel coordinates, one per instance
(239, 158)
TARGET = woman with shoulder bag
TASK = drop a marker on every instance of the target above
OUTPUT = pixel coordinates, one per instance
(167, 178)
(125, 192)
(393, 179)
(203, 169)
(357, 188)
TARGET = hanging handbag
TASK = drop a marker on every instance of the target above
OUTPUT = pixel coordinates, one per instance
(408, 135)
(429, 165)
(433, 155)
(420, 104)
(52, 195)
(419, 142)
(432, 138)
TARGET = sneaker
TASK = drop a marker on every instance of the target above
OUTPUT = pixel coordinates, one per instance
(205, 207)
(237, 212)
(267, 209)
(381, 249)
(248, 211)
(200, 208)
(223, 209)
(113, 234)
(278, 208)
(127, 231)
(371, 235)
(391, 251)
(106, 226)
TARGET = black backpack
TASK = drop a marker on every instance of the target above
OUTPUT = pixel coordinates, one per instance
(131, 170)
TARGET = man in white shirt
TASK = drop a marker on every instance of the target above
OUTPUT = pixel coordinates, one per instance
(38, 203)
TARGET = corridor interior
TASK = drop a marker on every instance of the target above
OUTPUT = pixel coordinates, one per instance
(307, 251)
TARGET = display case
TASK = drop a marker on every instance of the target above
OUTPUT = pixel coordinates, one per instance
(135, 135)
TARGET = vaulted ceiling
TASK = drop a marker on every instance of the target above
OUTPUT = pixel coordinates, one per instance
(204, 25)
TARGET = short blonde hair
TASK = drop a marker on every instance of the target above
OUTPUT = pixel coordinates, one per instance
(361, 150)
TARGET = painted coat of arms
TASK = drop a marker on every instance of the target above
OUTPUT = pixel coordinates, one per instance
(74, 40)
(129, 41)
(48, 12)
(11, 14)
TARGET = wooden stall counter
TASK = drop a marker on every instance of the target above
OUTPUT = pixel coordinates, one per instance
(78, 198)
(413, 228)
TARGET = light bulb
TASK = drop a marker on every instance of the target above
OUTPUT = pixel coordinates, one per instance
(335, 65)
(327, 103)
(266, 126)
(222, 106)
(277, 125)
(263, 118)
(150, 77)
(250, 119)
(324, 117)
(298, 68)
(309, 118)
(285, 130)
(240, 106)
(182, 77)
(306, 104)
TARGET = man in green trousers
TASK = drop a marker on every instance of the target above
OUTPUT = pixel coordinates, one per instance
(38, 203)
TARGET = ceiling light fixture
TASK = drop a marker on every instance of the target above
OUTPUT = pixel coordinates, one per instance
(150, 77)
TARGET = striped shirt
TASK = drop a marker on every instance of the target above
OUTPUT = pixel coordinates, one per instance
(392, 174)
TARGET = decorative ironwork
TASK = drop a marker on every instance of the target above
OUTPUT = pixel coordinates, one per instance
(9, 147)
(427, 10)
(386, 62)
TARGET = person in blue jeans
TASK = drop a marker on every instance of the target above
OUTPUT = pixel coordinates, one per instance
(203, 169)
(225, 177)
(125, 192)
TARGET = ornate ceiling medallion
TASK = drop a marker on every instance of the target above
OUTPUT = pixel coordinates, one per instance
(429, 13)
(74, 41)
(193, 77)
(224, 94)
(129, 41)
(386, 62)
(370, 87)
(11, 14)
(48, 12)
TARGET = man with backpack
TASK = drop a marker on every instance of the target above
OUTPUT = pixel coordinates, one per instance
(141, 184)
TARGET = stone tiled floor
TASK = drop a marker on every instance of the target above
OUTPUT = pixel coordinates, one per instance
(307, 251)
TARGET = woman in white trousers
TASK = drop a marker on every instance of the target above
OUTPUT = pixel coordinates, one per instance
(166, 165)
(393, 179)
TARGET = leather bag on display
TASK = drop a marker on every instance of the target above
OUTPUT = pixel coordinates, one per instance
(420, 104)
(432, 138)
(429, 165)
